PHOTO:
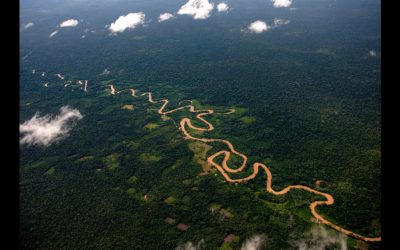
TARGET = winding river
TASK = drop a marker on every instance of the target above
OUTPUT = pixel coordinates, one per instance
(224, 169)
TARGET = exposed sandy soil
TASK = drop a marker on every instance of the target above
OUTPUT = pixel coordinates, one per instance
(112, 89)
(128, 107)
(182, 227)
(170, 221)
(133, 92)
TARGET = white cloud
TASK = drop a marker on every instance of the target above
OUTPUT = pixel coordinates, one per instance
(190, 246)
(318, 238)
(83, 36)
(53, 33)
(27, 26)
(129, 21)
(198, 9)
(165, 17)
(253, 243)
(372, 53)
(258, 27)
(222, 7)
(69, 23)
(280, 21)
(46, 129)
(282, 3)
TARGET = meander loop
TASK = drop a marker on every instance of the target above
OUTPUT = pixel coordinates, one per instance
(224, 168)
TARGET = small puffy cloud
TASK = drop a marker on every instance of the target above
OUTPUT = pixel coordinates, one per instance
(258, 27)
(69, 23)
(198, 9)
(318, 238)
(222, 7)
(372, 53)
(130, 21)
(280, 21)
(53, 33)
(27, 26)
(46, 129)
(253, 243)
(165, 17)
(83, 36)
(282, 3)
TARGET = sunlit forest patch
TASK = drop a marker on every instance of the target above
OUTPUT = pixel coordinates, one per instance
(200, 151)
(128, 107)
(148, 158)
